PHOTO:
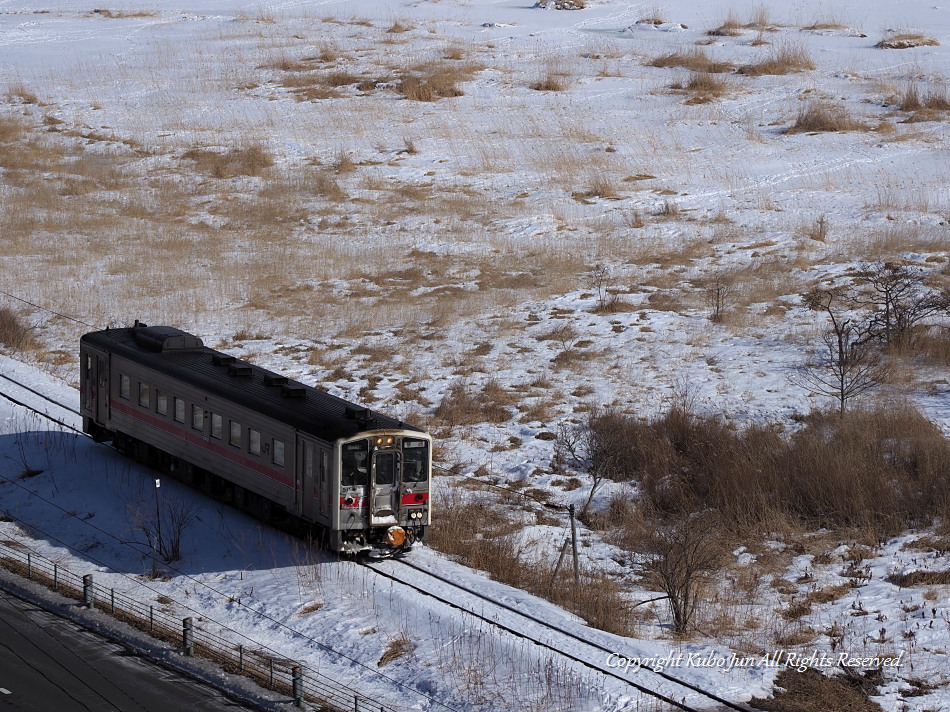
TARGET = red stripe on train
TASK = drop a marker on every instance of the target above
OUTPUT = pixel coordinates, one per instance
(193, 438)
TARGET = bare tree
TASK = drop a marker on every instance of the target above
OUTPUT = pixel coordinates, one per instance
(597, 447)
(684, 552)
(598, 278)
(899, 299)
(721, 294)
(164, 529)
(845, 366)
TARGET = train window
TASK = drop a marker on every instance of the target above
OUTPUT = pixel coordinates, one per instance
(197, 417)
(179, 410)
(354, 463)
(307, 458)
(279, 452)
(235, 435)
(385, 468)
(143, 394)
(125, 386)
(161, 403)
(415, 460)
(216, 421)
(253, 441)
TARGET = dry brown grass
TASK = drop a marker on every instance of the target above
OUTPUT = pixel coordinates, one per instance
(693, 59)
(124, 14)
(819, 117)
(552, 79)
(877, 471)
(435, 80)
(250, 160)
(906, 40)
(811, 691)
(732, 26)
(489, 547)
(15, 333)
(704, 88)
(19, 93)
(395, 649)
(782, 59)
(831, 24)
(462, 405)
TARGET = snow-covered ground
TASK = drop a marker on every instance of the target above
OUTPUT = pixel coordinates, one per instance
(254, 173)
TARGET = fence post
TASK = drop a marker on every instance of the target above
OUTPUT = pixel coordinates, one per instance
(297, 685)
(87, 593)
(241, 658)
(55, 577)
(112, 601)
(356, 703)
(271, 672)
(151, 619)
(188, 636)
(29, 566)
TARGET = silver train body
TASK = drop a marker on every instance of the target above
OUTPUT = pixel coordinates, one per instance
(284, 451)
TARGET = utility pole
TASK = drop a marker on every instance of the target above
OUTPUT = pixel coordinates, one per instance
(158, 518)
(574, 542)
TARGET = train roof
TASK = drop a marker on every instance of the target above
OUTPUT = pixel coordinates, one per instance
(184, 356)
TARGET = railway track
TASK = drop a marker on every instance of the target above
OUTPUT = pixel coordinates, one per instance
(18, 393)
(673, 691)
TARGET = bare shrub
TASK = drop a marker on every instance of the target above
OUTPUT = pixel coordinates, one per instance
(721, 293)
(164, 525)
(818, 231)
(817, 116)
(684, 553)
(906, 40)
(15, 333)
(782, 59)
(878, 470)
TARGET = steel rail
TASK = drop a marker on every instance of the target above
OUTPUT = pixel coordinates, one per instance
(574, 636)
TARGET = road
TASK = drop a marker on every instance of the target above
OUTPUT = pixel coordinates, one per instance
(48, 663)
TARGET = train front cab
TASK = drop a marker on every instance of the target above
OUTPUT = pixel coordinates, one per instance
(94, 384)
(383, 491)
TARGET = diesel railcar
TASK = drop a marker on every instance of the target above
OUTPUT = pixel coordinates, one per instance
(282, 450)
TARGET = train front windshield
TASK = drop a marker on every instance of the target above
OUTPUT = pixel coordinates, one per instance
(415, 460)
(355, 467)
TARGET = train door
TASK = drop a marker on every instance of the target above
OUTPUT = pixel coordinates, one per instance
(305, 486)
(102, 398)
(384, 484)
(95, 385)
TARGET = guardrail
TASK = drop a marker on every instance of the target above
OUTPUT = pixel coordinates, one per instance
(263, 666)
